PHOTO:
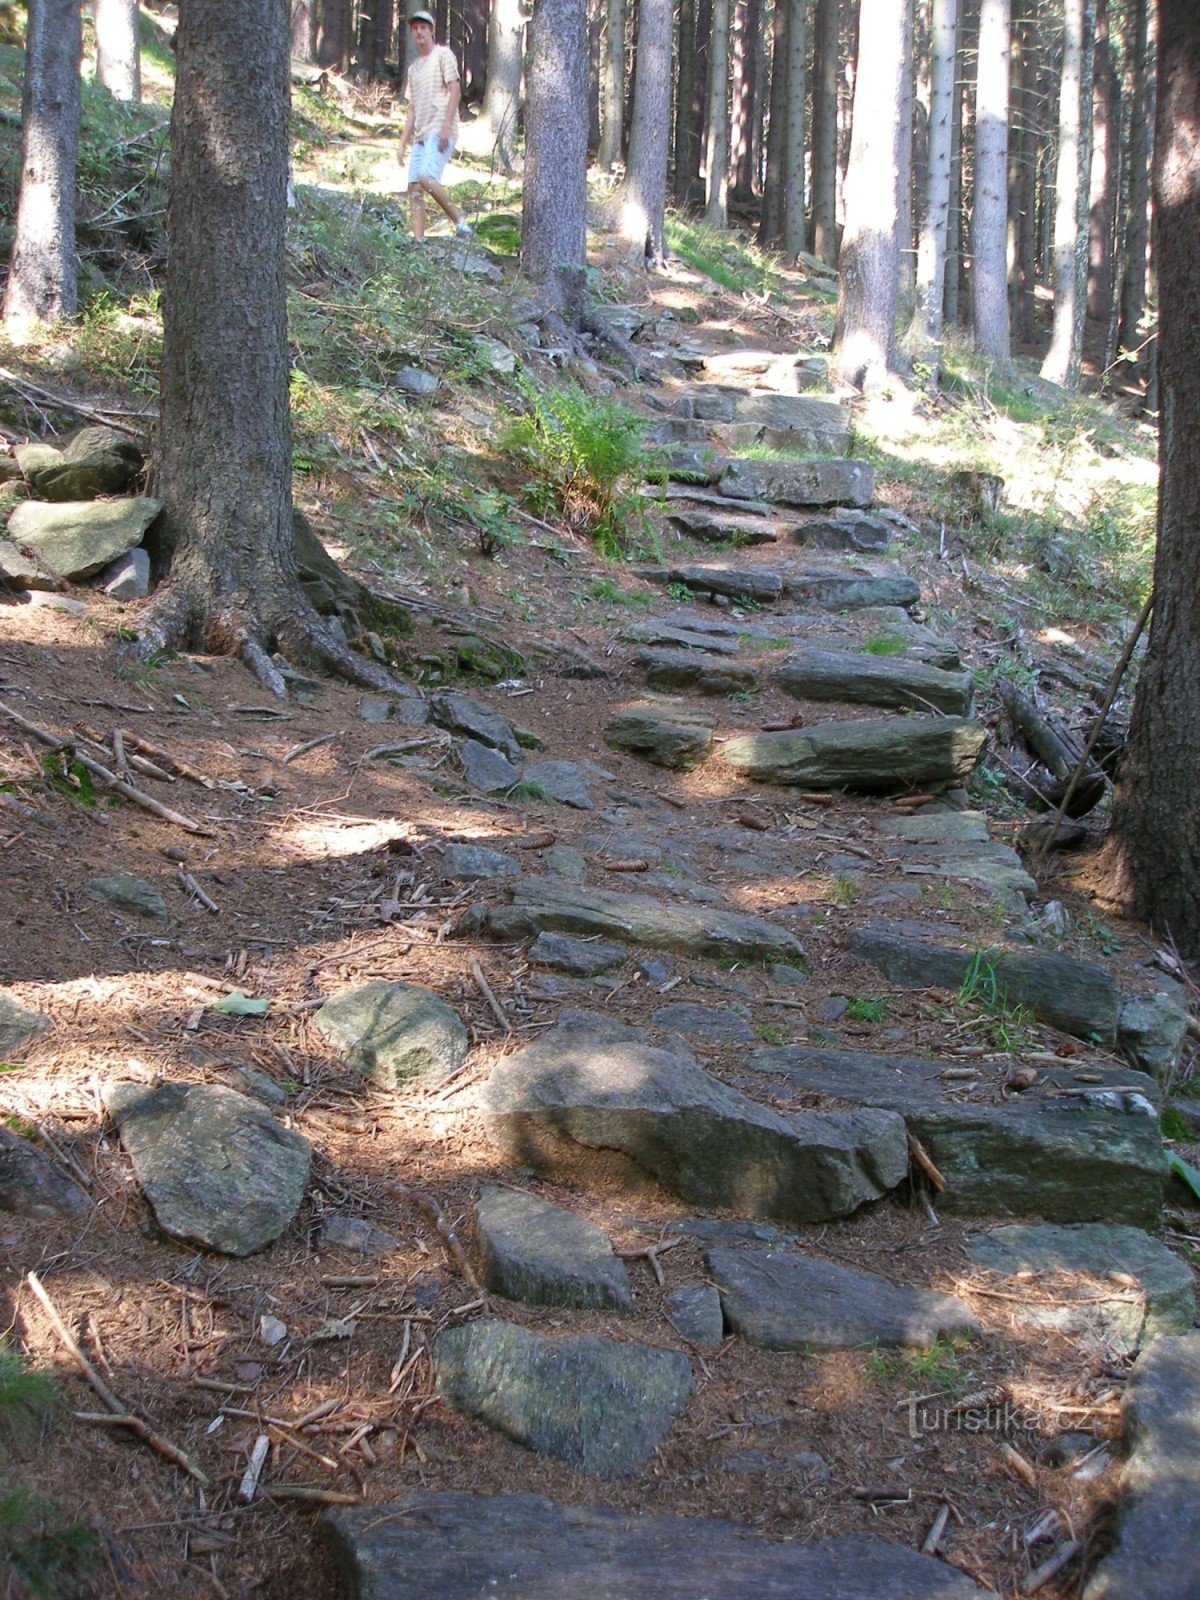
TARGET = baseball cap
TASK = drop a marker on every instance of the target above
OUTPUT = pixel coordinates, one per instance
(422, 16)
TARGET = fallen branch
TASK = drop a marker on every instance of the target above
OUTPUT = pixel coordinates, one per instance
(427, 1204)
(925, 1161)
(143, 1430)
(650, 1254)
(193, 888)
(110, 419)
(485, 990)
(1040, 1576)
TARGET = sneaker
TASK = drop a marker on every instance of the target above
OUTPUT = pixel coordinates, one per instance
(464, 230)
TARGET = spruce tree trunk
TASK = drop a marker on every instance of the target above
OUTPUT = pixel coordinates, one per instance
(926, 337)
(746, 20)
(863, 352)
(1102, 203)
(303, 31)
(1064, 359)
(989, 222)
(771, 226)
(1022, 196)
(612, 87)
(502, 95)
(42, 283)
(1156, 816)
(685, 152)
(553, 237)
(1133, 277)
(792, 174)
(644, 205)
(906, 265)
(952, 298)
(824, 138)
(716, 131)
(118, 48)
(333, 33)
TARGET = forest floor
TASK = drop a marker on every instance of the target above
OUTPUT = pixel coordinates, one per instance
(322, 860)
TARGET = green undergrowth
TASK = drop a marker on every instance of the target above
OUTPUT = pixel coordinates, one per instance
(727, 258)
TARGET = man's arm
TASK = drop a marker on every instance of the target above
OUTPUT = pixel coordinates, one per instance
(448, 119)
(406, 136)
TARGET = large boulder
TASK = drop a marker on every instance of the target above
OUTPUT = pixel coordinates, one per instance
(828, 482)
(862, 679)
(75, 540)
(875, 756)
(98, 461)
(396, 1034)
(699, 670)
(665, 733)
(31, 1186)
(852, 591)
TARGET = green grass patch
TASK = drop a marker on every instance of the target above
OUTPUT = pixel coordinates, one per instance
(725, 257)
(866, 1008)
(885, 644)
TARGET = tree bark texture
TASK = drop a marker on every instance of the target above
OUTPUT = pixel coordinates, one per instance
(931, 255)
(824, 136)
(502, 96)
(716, 121)
(553, 209)
(792, 173)
(685, 152)
(612, 87)
(645, 200)
(771, 229)
(906, 261)
(952, 297)
(1133, 277)
(333, 33)
(1156, 817)
(1022, 176)
(1106, 130)
(1064, 359)
(863, 351)
(118, 48)
(989, 220)
(303, 31)
(747, 20)
(42, 283)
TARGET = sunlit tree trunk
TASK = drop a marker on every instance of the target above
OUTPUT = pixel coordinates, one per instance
(502, 96)
(926, 335)
(952, 296)
(643, 211)
(824, 137)
(553, 211)
(989, 221)
(1106, 126)
(771, 229)
(1133, 278)
(118, 48)
(1022, 195)
(42, 269)
(303, 30)
(333, 33)
(1064, 359)
(716, 128)
(612, 88)
(792, 174)
(747, 20)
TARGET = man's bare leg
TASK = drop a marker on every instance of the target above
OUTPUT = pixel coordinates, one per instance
(443, 199)
(416, 210)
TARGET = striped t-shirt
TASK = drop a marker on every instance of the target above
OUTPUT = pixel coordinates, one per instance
(428, 91)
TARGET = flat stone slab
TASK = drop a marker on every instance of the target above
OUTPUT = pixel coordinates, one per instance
(1157, 1552)
(581, 958)
(596, 1404)
(1076, 996)
(396, 1034)
(1151, 1029)
(822, 425)
(715, 527)
(672, 636)
(873, 756)
(543, 1255)
(17, 571)
(470, 863)
(1062, 1150)
(666, 734)
(31, 1186)
(448, 1546)
(1155, 1292)
(763, 584)
(592, 1088)
(862, 679)
(713, 1024)
(463, 714)
(783, 1301)
(556, 906)
(848, 530)
(75, 539)
(705, 672)
(215, 1166)
(828, 482)
(694, 1311)
(486, 769)
(132, 895)
(18, 1024)
(995, 867)
(853, 591)
(936, 827)
(561, 781)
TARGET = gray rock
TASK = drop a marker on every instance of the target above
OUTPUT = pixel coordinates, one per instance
(828, 482)
(782, 972)
(556, 906)
(126, 893)
(667, 734)
(468, 863)
(1076, 996)
(1157, 1553)
(863, 679)
(486, 769)
(405, 709)
(538, 1253)
(851, 532)
(1163, 1302)
(253, 1081)
(676, 430)
(694, 669)
(411, 380)
(582, 958)
(740, 583)
(674, 636)
(36, 457)
(1087, 1155)
(18, 1024)
(714, 1024)
(75, 540)
(31, 1186)
(592, 1087)
(712, 526)
(695, 1313)
(565, 862)
(216, 1167)
(1151, 1029)
(818, 425)
(873, 756)
(19, 571)
(936, 827)
(853, 591)
(692, 463)
(561, 781)
(782, 1301)
(358, 1235)
(597, 1405)
(447, 1546)
(99, 462)
(463, 714)
(993, 867)
(128, 577)
(396, 1034)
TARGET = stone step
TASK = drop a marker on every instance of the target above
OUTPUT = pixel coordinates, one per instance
(762, 584)
(457, 1546)
(829, 481)
(863, 679)
(656, 632)
(784, 374)
(592, 1100)
(848, 530)
(543, 1255)
(991, 866)
(695, 669)
(1060, 1150)
(836, 589)
(876, 756)
(800, 420)
(671, 734)
(716, 527)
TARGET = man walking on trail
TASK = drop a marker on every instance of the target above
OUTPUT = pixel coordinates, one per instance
(433, 92)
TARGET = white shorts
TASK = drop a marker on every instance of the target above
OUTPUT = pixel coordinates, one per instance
(427, 161)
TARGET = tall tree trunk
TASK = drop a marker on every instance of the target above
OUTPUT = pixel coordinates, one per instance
(612, 91)
(1133, 277)
(716, 132)
(333, 33)
(906, 265)
(644, 206)
(824, 138)
(553, 211)
(685, 82)
(863, 351)
(792, 175)
(771, 228)
(42, 270)
(303, 30)
(502, 96)
(952, 298)
(1022, 195)
(1156, 817)
(926, 336)
(118, 48)
(595, 57)
(989, 221)
(1064, 359)
(1106, 129)
(744, 99)
(374, 36)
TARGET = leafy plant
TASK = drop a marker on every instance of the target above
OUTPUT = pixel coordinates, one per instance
(771, 1033)
(1186, 1173)
(1174, 1124)
(680, 591)
(864, 1008)
(843, 891)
